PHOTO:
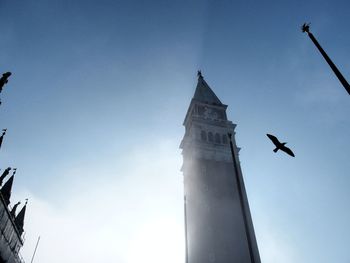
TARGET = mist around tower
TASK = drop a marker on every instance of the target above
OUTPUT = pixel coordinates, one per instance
(114, 148)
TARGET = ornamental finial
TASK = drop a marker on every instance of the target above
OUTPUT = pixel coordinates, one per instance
(305, 27)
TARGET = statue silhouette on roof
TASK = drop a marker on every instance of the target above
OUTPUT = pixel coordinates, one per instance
(4, 79)
(4, 174)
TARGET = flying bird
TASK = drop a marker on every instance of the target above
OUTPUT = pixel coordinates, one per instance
(279, 145)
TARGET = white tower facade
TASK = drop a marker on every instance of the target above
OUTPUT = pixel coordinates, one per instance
(218, 223)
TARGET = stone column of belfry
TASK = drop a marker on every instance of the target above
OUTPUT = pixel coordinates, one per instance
(215, 229)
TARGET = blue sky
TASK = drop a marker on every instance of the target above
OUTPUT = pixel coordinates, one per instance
(94, 112)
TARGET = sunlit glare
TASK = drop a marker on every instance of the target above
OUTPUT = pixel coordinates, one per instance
(159, 241)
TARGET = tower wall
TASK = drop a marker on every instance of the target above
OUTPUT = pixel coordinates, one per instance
(215, 230)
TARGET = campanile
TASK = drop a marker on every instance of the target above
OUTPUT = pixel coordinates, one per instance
(218, 223)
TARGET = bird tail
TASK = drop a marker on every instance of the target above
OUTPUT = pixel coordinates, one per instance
(275, 150)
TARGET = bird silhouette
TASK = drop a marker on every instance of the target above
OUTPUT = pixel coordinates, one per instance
(279, 145)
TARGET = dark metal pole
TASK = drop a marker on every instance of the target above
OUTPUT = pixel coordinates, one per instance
(306, 28)
(239, 184)
(37, 243)
(186, 242)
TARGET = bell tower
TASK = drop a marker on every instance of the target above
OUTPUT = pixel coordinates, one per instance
(218, 223)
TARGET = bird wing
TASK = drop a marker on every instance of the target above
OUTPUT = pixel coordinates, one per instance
(287, 150)
(274, 139)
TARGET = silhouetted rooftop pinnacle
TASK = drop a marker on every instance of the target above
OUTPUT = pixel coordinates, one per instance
(204, 93)
(19, 220)
(13, 210)
(6, 190)
(4, 174)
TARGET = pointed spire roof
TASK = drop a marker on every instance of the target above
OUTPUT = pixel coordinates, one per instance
(204, 93)
(6, 190)
(19, 220)
(13, 210)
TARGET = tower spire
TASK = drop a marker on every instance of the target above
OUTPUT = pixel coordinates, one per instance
(6, 190)
(19, 220)
(2, 136)
(204, 93)
(199, 74)
(4, 174)
(13, 210)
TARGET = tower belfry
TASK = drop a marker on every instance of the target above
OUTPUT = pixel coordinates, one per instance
(218, 223)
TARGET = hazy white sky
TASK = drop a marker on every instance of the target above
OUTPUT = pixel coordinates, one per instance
(94, 112)
(134, 216)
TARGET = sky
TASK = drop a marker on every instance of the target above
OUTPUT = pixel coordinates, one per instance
(94, 113)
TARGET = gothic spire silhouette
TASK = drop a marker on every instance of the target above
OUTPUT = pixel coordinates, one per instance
(13, 210)
(6, 190)
(4, 174)
(19, 220)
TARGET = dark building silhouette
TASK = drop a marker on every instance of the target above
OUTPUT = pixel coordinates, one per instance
(11, 227)
(214, 220)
